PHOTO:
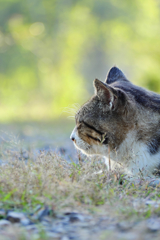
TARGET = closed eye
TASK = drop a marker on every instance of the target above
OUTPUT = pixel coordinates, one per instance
(96, 139)
(93, 128)
(105, 140)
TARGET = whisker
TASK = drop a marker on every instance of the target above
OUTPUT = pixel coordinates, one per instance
(72, 110)
(71, 117)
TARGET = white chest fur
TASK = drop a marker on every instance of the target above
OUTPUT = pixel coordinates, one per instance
(134, 158)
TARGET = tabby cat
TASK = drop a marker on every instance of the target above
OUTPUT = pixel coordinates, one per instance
(121, 121)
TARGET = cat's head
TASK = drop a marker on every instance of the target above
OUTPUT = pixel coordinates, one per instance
(106, 118)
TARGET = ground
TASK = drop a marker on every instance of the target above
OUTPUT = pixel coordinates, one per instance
(49, 191)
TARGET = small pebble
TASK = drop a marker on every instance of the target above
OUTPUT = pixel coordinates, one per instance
(124, 226)
(32, 228)
(64, 238)
(58, 228)
(52, 234)
(2, 213)
(25, 221)
(15, 217)
(153, 224)
(40, 213)
(73, 217)
(4, 223)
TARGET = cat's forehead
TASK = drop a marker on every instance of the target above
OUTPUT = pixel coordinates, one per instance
(89, 110)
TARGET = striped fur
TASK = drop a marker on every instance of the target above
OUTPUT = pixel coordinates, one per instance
(124, 118)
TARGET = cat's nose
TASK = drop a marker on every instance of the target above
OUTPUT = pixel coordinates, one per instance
(72, 137)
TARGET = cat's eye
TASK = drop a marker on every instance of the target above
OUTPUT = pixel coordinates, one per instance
(96, 139)
(93, 128)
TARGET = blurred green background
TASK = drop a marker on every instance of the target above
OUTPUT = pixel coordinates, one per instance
(52, 50)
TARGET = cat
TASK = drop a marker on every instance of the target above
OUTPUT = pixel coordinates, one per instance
(121, 121)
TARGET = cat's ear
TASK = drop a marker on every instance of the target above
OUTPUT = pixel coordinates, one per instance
(105, 93)
(115, 74)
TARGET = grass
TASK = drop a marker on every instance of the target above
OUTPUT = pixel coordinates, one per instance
(50, 180)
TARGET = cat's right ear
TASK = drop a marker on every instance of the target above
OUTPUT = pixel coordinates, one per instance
(105, 93)
(114, 75)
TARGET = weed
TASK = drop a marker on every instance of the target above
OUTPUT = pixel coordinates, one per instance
(50, 180)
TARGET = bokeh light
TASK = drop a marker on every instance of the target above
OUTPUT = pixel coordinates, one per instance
(51, 51)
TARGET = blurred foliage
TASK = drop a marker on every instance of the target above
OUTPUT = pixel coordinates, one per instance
(51, 51)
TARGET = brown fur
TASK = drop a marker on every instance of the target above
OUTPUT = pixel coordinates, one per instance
(123, 117)
(115, 124)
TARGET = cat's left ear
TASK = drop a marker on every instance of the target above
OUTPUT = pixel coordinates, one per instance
(105, 93)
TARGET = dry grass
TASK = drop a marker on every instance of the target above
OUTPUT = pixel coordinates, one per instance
(88, 187)
(50, 180)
